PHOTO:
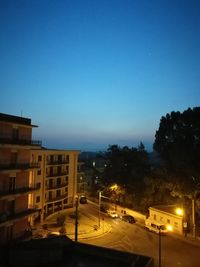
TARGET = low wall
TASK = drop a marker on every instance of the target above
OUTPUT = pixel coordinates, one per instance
(122, 210)
(137, 215)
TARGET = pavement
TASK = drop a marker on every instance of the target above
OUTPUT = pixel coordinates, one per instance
(87, 226)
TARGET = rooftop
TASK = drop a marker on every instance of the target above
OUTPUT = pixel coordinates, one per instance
(62, 251)
(15, 119)
(167, 208)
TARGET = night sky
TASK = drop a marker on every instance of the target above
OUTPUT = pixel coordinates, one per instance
(98, 72)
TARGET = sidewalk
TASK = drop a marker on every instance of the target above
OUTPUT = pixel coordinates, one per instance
(87, 226)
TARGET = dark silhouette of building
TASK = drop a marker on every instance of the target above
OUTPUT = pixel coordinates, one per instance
(62, 251)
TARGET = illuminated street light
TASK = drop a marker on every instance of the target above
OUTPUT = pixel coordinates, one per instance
(179, 211)
(114, 187)
(169, 228)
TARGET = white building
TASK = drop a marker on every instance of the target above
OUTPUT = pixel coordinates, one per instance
(168, 215)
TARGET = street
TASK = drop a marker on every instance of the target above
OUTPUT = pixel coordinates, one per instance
(135, 239)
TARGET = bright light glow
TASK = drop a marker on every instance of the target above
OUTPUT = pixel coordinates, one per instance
(179, 211)
(114, 187)
(169, 228)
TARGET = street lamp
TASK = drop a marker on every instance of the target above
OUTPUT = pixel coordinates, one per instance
(100, 196)
(76, 219)
(179, 211)
(159, 246)
(99, 208)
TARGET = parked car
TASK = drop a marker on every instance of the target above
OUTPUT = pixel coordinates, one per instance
(112, 214)
(83, 200)
(128, 218)
(155, 227)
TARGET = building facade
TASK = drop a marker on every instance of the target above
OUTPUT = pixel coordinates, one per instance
(167, 215)
(17, 184)
(34, 182)
(56, 178)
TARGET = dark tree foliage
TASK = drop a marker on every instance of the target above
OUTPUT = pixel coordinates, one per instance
(127, 166)
(178, 141)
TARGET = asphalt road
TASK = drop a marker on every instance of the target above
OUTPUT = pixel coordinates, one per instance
(135, 239)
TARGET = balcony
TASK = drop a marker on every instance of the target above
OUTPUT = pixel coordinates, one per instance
(56, 186)
(18, 166)
(7, 219)
(57, 162)
(60, 173)
(23, 142)
(5, 194)
(54, 199)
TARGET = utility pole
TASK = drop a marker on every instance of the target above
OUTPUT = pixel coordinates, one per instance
(159, 250)
(99, 209)
(193, 217)
(76, 220)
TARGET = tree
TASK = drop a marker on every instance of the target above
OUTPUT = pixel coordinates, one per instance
(178, 141)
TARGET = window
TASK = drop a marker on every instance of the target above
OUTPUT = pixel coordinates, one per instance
(39, 158)
(161, 219)
(39, 172)
(12, 183)
(58, 181)
(154, 217)
(66, 180)
(38, 185)
(58, 193)
(37, 199)
(175, 224)
(168, 220)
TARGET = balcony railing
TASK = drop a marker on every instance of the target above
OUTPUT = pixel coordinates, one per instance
(54, 199)
(60, 173)
(18, 191)
(56, 186)
(20, 166)
(57, 162)
(6, 218)
(20, 142)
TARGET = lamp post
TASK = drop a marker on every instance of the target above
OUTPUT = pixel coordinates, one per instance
(99, 209)
(76, 220)
(159, 246)
(100, 196)
(193, 217)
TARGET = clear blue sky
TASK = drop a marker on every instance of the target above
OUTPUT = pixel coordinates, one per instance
(98, 72)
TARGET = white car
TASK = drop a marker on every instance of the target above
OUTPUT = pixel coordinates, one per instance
(112, 213)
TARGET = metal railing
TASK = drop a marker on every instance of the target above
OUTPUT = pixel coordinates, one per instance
(6, 217)
(18, 191)
(20, 142)
(57, 162)
(22, 166)
(59, 173)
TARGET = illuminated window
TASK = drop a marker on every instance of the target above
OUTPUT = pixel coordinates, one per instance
(176, 224)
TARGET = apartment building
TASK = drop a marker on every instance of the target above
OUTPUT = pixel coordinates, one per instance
(17, 184)
(56, 178)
